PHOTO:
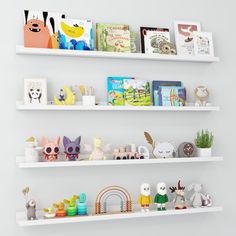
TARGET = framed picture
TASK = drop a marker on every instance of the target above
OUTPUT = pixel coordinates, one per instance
(184, 36)
(35, 91)
(203, 44)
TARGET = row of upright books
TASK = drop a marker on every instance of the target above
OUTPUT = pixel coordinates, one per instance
(128, 91)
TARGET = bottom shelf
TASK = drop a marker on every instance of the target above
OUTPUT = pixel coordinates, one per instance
(21, 216)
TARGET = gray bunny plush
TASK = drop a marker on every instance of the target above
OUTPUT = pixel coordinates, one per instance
(30, 205)
(197, 198)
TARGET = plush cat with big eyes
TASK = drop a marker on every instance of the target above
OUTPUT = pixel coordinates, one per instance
(51, 149)
(72, 148)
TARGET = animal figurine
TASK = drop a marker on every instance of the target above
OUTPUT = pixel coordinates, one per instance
(72, 149)
(98, 151)
(60, 212)
(50, 149)
(69, 99)
(49, 213)
(30, 205)
(179, 199)
(207, 202)
(32, 150)
(187, 149)
(71, 209)
(145, 198)
(161, 197)
(160, 150)
(81, 204)
(201, 94)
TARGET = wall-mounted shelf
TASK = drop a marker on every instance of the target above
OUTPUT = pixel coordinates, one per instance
(21, 216)
(21, 106)
(26, 165)
(21, 50)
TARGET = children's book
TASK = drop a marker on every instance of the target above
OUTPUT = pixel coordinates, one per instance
(41, 29)
(76, 34)
(113, 37)
(115, 90)
(155, 88)
(137, 93)
(151, 38)
(172, 96)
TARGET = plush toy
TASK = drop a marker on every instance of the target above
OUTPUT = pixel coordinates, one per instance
(208, 201)
(30, 205)
(201, 94)
(50, 149)
(187, 149)
(145, 198)
(72, 149)
(179, 199)
(161, 197)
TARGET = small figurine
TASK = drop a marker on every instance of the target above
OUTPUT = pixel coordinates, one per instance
(70, 97)
(60, 212)
(145, 198)
(71, 209)
(207, 202)
(50, 149)
(30, 205)
(49, 213)
(32, 150)
(72, 149)
(160, 150)
(187, 149)
(179, 200)
(81, 204)
(201, 94)
(161, 197)
(98, 152)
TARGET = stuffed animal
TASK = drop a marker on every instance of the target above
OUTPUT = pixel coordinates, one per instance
(145, 198)
(50, 149)
(179, 199)
(161, 197)
(201, 94)
(72, 149)
(30, 205)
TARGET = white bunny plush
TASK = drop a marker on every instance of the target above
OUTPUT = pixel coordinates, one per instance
(197, 198)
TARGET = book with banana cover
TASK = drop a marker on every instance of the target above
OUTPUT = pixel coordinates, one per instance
(76, 34)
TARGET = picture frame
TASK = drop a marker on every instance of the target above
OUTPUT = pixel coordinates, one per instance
(35, 91)
(203, 44)
(184, 36)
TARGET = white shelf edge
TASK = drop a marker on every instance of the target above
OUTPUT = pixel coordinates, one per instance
(25, 165)
(21, 50)
(22, 222)
(77, 107)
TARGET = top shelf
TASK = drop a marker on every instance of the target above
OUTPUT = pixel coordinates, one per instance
(21, 50)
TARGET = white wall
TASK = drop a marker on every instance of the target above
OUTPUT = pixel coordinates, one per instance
(49, 186)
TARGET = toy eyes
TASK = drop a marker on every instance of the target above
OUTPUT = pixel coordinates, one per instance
(48, 150)
(160, 151)
(56, 149)
(77, 149)
(167, 151)
(70, 149)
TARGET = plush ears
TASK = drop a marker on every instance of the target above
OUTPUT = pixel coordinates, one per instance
(57, 141)
(78, 140)
(46, 141)
(66, 140)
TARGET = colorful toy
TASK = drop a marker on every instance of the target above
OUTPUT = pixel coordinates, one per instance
(145, 198)
(71, 209)
(179, 200)
(161, 197)
(187, 149)
(72, 149)
(30, 205)
(201, 94)
(50, 149)
(60, 212)
(81, 204)
(69, 99)
(32, 150)
(49, 213)
(160, 150)
(131, 152)
(106, 193)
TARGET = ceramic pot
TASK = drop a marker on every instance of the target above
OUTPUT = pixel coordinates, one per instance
(204, 152)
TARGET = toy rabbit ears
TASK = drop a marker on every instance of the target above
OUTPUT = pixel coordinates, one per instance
(46, 141)
(66, 140)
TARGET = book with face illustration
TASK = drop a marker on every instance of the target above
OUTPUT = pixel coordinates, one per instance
(41, 29)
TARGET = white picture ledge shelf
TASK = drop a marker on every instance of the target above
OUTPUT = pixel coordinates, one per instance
(25, 165)
(78, 107)
(21, 50)
(21, 216)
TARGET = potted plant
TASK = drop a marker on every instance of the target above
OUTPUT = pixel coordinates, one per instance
(204, 142)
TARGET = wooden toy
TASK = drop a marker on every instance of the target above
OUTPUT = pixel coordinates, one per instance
(72, 149)
(81, 204)
(130, 152)
(187, 149)
(49, 213)
(160, 150)
(201, 94)
(106, 193)
(30, 205)
(32, 150)
(66, 97)
(71, 209)
(60, 212)
(50, 149)
(145, 198)
(179, 199)
(161, 197)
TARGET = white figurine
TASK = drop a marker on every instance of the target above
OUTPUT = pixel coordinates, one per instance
(201, 94)
(161, 197)
(32, 150)
(145, 198)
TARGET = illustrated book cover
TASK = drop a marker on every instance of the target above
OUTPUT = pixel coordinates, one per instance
(203, 44)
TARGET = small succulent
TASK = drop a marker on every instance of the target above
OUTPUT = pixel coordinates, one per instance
(204, 139)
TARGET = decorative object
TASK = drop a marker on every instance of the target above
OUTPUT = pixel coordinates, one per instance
(60, 212)
(202, 94)
(41, 29)
(160, 150)
(49, 213)
(161, 197)
(179, 199)
(133, 42)
(50, 149)
(30, 205)
(207, 202)
(65, 97)
(145, 198)
(204, 142)
(187, 149)
(108, 192)
(203, 44)
(184, 36)
(35, 91)
(71, 209)
(32, 150)
(166, 48)
(72, 148)
(81, 204)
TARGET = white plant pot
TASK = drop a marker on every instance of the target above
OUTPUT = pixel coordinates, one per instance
(204, 152)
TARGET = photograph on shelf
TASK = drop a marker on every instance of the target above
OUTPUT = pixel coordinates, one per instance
(41, 29)
(35, 91)
(184, 32)
(203, 44)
